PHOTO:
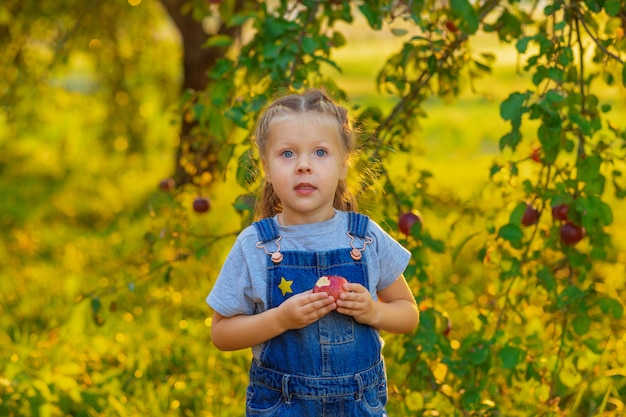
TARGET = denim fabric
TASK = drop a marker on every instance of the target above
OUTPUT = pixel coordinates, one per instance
(332, 367)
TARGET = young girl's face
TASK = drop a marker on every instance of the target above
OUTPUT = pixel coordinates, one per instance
(304, 161)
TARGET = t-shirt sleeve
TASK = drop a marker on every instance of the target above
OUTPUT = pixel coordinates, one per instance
(232, 293)
(393, 258)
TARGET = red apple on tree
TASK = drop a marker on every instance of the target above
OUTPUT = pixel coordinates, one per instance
(559, 212)
(407, 220)
(530, 216)
(536, 154)
(167, 184)
(201, 204)
(451, 26)
(331, 284)
(571, 233)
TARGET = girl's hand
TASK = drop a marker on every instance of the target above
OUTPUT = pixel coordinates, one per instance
(394, 312)
(244, 331)
(305, 308)
(358, 303)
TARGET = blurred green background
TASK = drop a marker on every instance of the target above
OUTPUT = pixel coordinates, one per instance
(103, 275)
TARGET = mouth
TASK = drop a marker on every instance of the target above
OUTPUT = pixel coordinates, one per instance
(305, 188)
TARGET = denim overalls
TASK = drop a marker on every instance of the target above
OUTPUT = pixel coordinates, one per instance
(332, 367)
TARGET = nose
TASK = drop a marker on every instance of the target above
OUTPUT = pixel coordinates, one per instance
(304, 165)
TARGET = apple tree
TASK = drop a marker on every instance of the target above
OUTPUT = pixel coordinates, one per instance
(540, 329)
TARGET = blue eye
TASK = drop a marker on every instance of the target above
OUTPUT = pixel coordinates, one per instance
(288, 154)
(320, 152)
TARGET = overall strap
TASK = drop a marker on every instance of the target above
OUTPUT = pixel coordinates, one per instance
(357, 224)
(267, 230)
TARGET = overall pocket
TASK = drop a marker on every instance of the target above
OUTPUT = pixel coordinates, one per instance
(336, 328)
(263, 401)
(374, 399)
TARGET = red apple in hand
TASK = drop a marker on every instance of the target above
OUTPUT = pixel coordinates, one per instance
(407, 220)
(571, 234)
(331, 284)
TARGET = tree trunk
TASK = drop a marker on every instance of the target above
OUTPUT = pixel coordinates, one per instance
(197, 62)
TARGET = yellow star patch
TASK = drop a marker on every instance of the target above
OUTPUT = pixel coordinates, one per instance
(285, 286)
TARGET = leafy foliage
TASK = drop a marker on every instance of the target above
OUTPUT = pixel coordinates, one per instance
(515, 319)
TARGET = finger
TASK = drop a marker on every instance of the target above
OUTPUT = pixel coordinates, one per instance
(352, 287)
(347, 305)
(306, 300)
(346, 311)
(327, 302)
(317, 296)
(351, 296)
(326, 309)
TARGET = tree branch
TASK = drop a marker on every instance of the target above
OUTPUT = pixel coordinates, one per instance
(595, 38)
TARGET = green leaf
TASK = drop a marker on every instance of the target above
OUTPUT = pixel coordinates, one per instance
(605, 213)
(244, 202)
(581, 324)
(569, 296)
(624, 75)
(550, 9)
(612, 7)
(238, 115)
(464, 10)
(201, 251)
(510, 356)
(613, 306)
(512, 108)
(589, 168)
(96, 304)
(373, 17)
(522, 44)
(565, 59)
(246, 169)
(479, 354)
(598, 253)
(547, 278)
(540, 74)
(517, 213)
(511, 232)
(552, 97)
(549, 137)
(399, 31)
(218, 41)
(240, 18)
(555, 74)
(595, 186)
(483, 67)
(338, 39)
(308, 45)
(511, 139)
(495, 168)
(435, 244)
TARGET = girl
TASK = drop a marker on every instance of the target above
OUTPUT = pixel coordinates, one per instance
(312, 355)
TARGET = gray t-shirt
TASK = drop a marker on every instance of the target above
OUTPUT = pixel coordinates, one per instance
(241, 284)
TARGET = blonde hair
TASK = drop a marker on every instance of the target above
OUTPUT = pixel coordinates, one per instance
(310, 101)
